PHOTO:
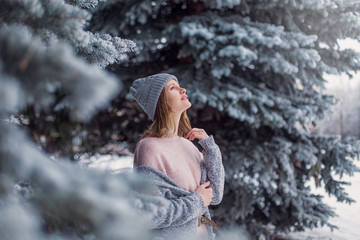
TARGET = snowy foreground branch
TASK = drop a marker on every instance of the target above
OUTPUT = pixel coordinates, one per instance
(60, 197)
(35, 74)
(56, 20)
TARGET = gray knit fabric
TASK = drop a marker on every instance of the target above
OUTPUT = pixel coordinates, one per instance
(177, 218)
(146, 91)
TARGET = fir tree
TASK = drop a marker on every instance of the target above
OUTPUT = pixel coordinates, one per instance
(254, 71)
(51, 64)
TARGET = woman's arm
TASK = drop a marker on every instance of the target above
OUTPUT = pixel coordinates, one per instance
(178, 211)
(212, 165)
(165, 204)
(214, 168)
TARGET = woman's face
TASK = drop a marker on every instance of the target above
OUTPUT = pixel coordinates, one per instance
(176, 97)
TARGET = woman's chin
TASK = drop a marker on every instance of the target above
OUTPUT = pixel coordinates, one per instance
(184, 107)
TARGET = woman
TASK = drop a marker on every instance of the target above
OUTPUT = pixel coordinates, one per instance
(188, 179)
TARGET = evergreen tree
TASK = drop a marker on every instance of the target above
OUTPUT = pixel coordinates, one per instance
(50, 64)
(254, 71)
(60, 29)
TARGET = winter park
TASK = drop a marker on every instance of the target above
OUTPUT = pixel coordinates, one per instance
(184, 119)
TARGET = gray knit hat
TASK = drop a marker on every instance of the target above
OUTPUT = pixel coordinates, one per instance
(146, 91)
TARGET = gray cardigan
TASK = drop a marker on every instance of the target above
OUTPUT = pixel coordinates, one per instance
(177, 215)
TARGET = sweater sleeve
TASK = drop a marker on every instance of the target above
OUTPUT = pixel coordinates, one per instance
(177, 211)
(213, 168)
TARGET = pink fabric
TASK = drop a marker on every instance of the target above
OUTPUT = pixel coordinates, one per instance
(177, 157)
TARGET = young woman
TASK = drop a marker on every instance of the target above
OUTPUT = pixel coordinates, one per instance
(188, 180)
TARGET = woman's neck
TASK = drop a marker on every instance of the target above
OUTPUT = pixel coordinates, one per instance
(174, 132)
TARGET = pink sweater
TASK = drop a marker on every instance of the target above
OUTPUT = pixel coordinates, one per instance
(177, 157)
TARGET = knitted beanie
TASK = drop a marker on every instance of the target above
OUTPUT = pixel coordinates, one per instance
(146, 91)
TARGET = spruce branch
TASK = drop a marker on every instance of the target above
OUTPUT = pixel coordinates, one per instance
(57, 70)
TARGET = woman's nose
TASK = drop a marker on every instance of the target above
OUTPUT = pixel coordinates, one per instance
(183, 90)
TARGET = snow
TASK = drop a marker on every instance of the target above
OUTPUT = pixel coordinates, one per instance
(348, 219)
(108, 162)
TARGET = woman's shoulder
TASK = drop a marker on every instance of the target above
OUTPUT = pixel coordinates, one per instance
(147, 142)
(146, 149)
(187, 142)
(190, 146)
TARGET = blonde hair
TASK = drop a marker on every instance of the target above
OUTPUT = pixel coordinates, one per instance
(163, 120)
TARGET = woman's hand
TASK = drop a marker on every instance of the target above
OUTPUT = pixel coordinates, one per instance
(197, 133)
(205, 193)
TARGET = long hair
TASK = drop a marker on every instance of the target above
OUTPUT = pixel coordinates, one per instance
(163, 120)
